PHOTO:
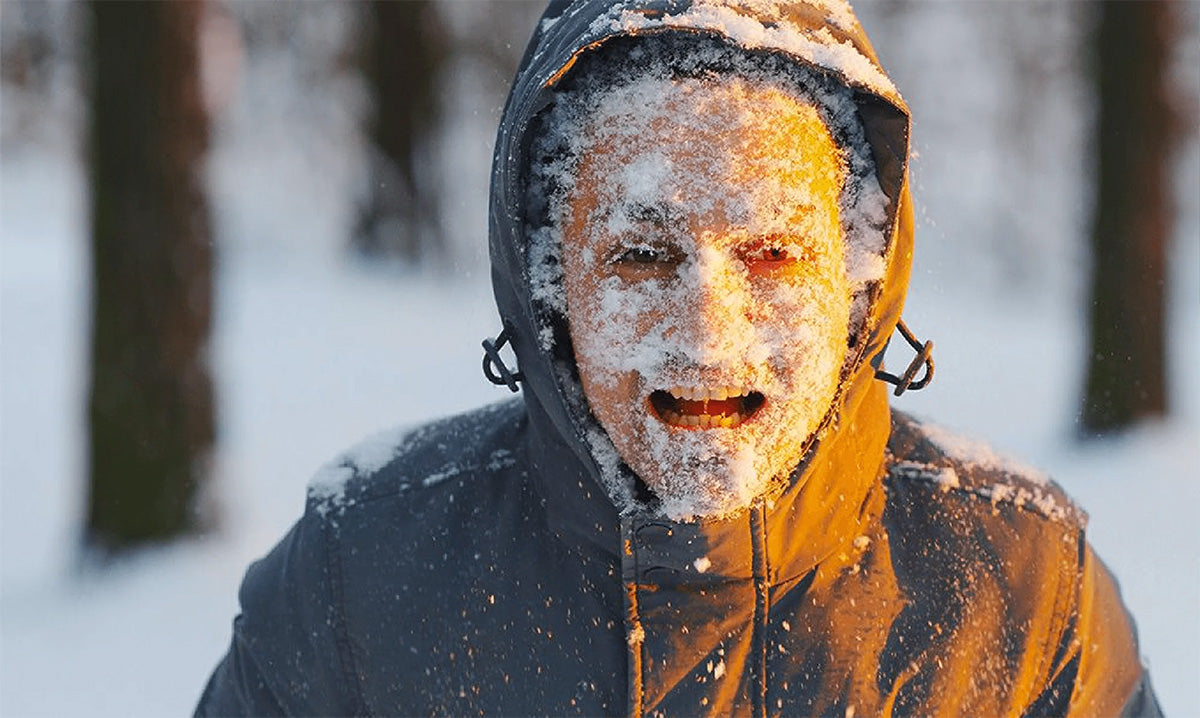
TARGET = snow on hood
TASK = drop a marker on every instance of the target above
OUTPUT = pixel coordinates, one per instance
(822, 34)
(764, 24)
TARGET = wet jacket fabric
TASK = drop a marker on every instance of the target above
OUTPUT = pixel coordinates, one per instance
(477, 565)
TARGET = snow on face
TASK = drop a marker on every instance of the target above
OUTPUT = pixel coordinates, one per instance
(706, 283)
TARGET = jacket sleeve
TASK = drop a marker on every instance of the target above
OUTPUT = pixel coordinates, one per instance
(289, 655)
(1099, 672)
(1112, 680)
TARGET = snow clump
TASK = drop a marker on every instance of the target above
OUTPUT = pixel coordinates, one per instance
(815, 45)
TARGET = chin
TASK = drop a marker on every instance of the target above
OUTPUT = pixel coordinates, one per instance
(715, 472)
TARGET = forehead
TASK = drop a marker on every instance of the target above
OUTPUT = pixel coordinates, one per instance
(706, 144)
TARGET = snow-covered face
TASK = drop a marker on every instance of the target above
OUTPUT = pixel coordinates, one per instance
(706, 284)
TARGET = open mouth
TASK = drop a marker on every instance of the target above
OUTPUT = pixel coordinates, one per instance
(705, 407)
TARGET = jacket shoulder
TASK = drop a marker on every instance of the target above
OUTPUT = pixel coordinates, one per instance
(993, 555)
(294, 645)
(415, 459)
(924, 456)
(988, 554)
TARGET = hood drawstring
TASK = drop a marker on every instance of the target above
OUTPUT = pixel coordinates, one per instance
(905, 381)
(493, 360)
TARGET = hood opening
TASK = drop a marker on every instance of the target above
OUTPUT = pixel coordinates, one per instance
(882, 125)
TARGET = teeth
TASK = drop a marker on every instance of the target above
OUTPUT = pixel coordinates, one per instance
(716, 393)
(703, 421)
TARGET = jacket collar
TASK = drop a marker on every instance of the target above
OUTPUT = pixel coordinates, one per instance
(821, 512)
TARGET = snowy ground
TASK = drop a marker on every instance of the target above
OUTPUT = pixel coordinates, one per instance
(313, 351)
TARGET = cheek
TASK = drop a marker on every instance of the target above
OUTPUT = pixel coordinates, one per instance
(805, 318)
(613, 326)
(620, 406)
(613, 397)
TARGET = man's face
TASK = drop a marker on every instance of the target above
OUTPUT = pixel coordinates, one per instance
(706, 284)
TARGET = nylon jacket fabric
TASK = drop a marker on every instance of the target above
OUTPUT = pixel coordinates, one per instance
(435, 585)
(484, 568)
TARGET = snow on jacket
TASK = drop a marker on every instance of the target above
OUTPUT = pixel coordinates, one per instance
(477, 565)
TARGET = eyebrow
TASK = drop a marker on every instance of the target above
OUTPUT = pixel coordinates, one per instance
(659, 215)
(800, 208)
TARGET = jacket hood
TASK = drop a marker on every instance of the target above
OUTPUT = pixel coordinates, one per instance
(822, 34)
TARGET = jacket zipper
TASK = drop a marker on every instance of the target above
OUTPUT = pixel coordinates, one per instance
(758, 549)
(635, 635)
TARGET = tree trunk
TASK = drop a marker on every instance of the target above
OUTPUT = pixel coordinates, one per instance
(151, 402)
(404, 54)
(1132, 217)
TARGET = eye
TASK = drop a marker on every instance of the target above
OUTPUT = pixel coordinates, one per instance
(640, 255)
(770, 256)
(643, 261)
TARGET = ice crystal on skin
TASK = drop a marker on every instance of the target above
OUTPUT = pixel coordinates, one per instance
(720, 159)
(864, 221)
(864, 206)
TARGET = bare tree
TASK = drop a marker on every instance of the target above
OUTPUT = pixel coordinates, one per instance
(405, 52)
(1132, 217)
(150, 408)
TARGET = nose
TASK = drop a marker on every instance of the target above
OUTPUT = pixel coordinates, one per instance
(718, 329)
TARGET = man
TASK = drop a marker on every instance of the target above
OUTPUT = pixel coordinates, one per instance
(702, 503)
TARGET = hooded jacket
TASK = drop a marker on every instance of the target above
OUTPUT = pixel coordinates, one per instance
(479, 565)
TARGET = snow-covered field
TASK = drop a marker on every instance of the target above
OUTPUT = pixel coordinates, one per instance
(313, 351)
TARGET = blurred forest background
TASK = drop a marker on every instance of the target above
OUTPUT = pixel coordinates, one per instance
(237, 236)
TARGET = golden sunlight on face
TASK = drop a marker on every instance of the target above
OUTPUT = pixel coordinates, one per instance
(706, 284)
